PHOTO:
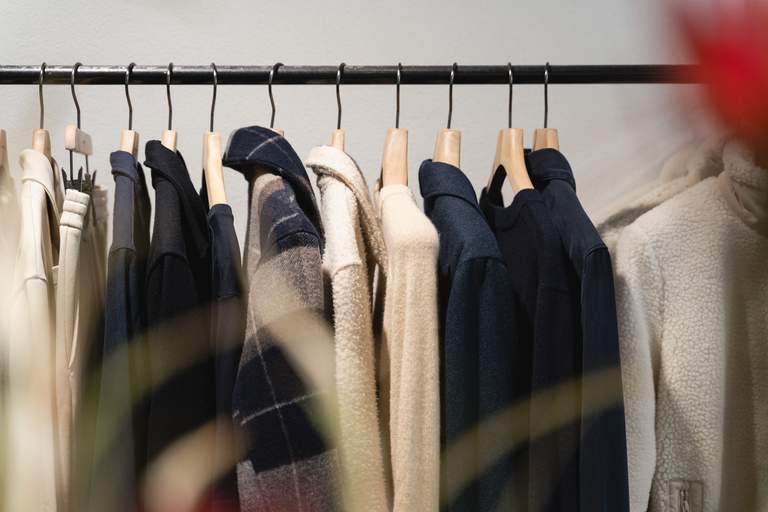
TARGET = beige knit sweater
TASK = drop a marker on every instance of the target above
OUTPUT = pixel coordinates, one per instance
(692, 300)
(410, 351)
(354, 248)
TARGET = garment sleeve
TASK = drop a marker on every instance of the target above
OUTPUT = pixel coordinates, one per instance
(478, 354)
(603, 459)
(639, 301)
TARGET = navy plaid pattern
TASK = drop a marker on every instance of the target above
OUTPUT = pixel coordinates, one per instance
(289, 465)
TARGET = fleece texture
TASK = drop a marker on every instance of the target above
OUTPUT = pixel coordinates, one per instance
(354, 249)
(681, 172)
(33, 481)
(411, 392)
(692, 296)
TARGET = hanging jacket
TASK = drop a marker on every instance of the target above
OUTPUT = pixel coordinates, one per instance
(411, 379)
(227, 336)
(545, 437)
(477, 336)
(183, 394)
(289, 462)
(354, 249)
(701, 163)
(692, 297)
(34, 481)
(602, 467)
(119, 435)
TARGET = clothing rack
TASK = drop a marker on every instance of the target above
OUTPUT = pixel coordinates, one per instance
(353, 75)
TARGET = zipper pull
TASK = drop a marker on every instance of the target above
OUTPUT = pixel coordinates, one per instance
(684, 505)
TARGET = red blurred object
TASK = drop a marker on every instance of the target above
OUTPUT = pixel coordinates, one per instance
(730, 43)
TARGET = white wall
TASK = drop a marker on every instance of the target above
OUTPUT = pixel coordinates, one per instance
(615, 136)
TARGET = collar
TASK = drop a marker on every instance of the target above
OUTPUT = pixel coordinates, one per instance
(258, 147)
(441, 179)
(338, 165)
(745, 186)
(124, 164)
(169, 165)
(546, 165)
(35, 166)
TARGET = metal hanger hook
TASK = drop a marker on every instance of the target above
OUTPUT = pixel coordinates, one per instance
(546, 93)
(339, 73)
(128, 71)
(215, 86)
(72, 86)
(40, 94)
(272, 74)
(397, 98)
(168, 74)
(450, 94)
(511, 83)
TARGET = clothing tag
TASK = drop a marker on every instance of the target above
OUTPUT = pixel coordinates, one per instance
(686, 496)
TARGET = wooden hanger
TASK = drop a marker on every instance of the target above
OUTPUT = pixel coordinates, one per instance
(129, 139)
(78, 141)
(510, 150)
(212, 166)
(41, 138)
(545, 137)
(448, 143)
(394, 163)
(169, 137)
(337, 137)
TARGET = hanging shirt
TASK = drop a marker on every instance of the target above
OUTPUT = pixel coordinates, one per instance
(68, 328)
(34, 481)
(411, 385)
(545, 352)
(183, 396)
(477, 330)
(119, 436)
(354, 249)
(692, 296)
(289, 463)
(227, 336)
(602, 450)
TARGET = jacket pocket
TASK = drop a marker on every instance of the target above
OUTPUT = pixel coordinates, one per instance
(686, 496)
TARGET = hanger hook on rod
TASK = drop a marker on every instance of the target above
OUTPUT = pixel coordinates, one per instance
(215, 86)
(128, 71)
(168, 73)
(72, 87)
(339, 73)
(450, 94)
(40, 94)
(272, 74)
(546, 93)
(397, 97)
(511, 83)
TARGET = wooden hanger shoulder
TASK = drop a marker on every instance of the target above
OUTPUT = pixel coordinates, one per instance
(41, 141)
(213, 169)
(169, 139)
(337, 139)
(448, 147)
(129, 142)
(394, 164)
(510, 154)
(545, 138)
(77, 140)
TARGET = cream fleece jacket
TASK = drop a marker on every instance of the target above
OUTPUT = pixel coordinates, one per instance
(692, 300)
(410, 351)
(682, 171)
(354, 248)
(32, 480)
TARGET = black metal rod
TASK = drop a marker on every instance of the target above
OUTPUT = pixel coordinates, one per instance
(259, 75)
